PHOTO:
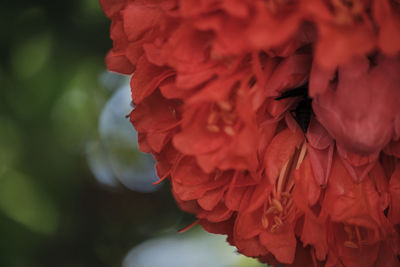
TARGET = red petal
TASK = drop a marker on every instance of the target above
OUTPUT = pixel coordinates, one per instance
(147, 78)
(349, 202)
(248, 225)
(138, 19)
(290, 73)
(162, 116)
(386, 256)
(282, 245)
(218, 214)
(319, 79)
(394, 184)
(111, 7)
(225, 227)
(194, 138)
(317, 136)
(364, 126)
(119, 63)
(251, 247)
(280, 151)
(156, 141)
(393, 148)
(354, 257)
(389, 26)
(338, 45)
(307, 191)
(267, 30)
(143, 144)
(314, 234)
(210, 199)
(321, 162)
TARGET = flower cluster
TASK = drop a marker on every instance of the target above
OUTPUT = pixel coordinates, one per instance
(277, 122)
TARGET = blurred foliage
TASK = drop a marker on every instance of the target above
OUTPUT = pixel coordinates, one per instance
(53, 212)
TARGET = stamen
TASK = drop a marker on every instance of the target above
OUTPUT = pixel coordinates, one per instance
(225, 105)
(358, 235)
(229, 130)
(278, 220)
(289, 207)
(350, 235)
(350, 244)
(212, 118)
(281, 179)
(290, 186)
(280, 201)
(271, 209)
(265, 222)
(213, 128)
(301, 155)
(162, 178)
(277, 204)
(274, 228)
(190, 226)
(290, 202)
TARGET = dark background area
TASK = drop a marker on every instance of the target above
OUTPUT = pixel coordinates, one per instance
(53, 212)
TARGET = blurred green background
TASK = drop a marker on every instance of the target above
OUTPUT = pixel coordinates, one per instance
(71, 178)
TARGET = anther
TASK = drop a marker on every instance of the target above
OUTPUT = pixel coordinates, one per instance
(278, 220)
(213, 128)
(274, 228)
(350, 244)
(225, 105)
(277, 204)
(271, 209)
(218, 174)
(229, 130)
(212, 118)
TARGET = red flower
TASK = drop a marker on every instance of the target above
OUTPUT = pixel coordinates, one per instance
(387, 15)
(276, 122)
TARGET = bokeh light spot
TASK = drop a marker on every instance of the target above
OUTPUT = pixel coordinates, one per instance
(31, 55)
(194, 249)
(10, 144)
(22, 201)
(118, 145)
